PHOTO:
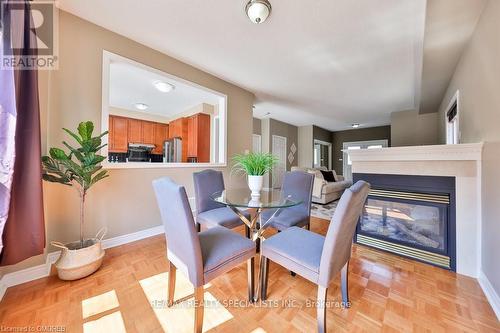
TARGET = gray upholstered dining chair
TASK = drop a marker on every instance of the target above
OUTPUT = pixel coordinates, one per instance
(299, 184)
(318, 258)
(208, 212)
(201, 256)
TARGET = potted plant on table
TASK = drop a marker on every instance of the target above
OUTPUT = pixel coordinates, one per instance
(80, 168)
(255, 165)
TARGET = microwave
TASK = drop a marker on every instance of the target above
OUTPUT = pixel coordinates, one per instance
(138, 152)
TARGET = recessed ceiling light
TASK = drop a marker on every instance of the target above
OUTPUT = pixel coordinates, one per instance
(258, 10)
(141, 106)
(355, 125)
(163, 86)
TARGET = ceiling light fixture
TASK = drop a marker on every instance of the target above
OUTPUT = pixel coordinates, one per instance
(355, 125)
(163, 86)
(258, 10)
(141, 106)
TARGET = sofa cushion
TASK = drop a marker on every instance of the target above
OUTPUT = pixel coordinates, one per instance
(335, 176)
(316, 173)
(336, 186)
(328, 176)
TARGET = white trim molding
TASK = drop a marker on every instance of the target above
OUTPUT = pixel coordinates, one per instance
(458, 152)
(490, 293)
(43, 270)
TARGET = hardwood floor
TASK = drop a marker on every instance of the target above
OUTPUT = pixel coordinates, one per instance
(129, 292)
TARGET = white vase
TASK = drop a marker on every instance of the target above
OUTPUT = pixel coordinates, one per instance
(255, 184)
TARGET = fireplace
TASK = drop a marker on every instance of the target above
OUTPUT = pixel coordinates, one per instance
(412, 216)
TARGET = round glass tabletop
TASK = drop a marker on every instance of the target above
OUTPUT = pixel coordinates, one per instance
(267, 199)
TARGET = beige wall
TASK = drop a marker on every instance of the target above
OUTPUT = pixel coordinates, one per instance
(477, 76)
(124, 202)
(409, 128)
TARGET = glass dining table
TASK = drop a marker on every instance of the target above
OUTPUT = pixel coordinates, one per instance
(237, 199)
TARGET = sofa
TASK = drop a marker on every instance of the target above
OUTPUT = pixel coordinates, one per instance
(325, 192)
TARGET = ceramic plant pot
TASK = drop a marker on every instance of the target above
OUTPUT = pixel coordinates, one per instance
(255, 184)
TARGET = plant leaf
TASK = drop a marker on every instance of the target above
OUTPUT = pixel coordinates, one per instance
(85, 130)
(58, 154)
(74, 135)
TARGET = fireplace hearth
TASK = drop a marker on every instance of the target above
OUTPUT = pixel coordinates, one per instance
(413, 216)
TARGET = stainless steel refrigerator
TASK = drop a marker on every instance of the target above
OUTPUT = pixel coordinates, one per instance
(173, 150)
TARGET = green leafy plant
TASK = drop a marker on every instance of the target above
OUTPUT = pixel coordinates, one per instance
(254, 164)
(80, 167)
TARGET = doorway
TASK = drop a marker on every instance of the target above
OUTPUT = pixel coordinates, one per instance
(279, 150)
(322, 154)
(256, 143)
(347, 163)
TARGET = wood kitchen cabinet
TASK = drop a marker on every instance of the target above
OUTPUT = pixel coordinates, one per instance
(134, 130)
(148, 134)
(123, 130)
(160, 135)
(199, 138)
(178, 128)
(118, 134)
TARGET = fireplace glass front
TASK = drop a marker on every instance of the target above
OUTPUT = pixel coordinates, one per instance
(406, 222)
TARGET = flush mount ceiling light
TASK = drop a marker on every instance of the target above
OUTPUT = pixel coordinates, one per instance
(141, 106)
(355, 125)
(163, 86)
(258, 10)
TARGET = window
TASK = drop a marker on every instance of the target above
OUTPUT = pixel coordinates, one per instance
(452, 121)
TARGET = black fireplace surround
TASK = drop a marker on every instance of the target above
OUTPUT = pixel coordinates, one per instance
(412, 216)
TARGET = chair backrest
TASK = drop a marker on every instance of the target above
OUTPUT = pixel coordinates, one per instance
(183, 244)
(338, 240)
(206, 183)
(299, 184)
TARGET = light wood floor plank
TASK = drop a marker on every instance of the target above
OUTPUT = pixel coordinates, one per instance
(388, 294)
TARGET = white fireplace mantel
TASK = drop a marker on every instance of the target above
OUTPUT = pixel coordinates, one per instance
(460, 152)
(462, 161)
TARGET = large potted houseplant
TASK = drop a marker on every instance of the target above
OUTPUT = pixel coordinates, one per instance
(255, 165)
(79, 168)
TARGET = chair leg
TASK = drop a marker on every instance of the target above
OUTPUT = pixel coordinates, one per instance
(251, 278)
(264, 277)
(247, 232)
(171, 283)
(198, 309)
(344, 279)
(321, 315)
(308, 225)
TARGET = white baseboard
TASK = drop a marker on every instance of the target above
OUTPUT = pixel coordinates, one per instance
(135, 236)
(43, 270)
(3, 289)
(490, 293)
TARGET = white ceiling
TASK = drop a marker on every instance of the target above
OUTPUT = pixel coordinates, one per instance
(129, 84)
(324, 62)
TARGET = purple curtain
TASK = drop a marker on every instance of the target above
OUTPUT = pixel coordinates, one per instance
(21, 205)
